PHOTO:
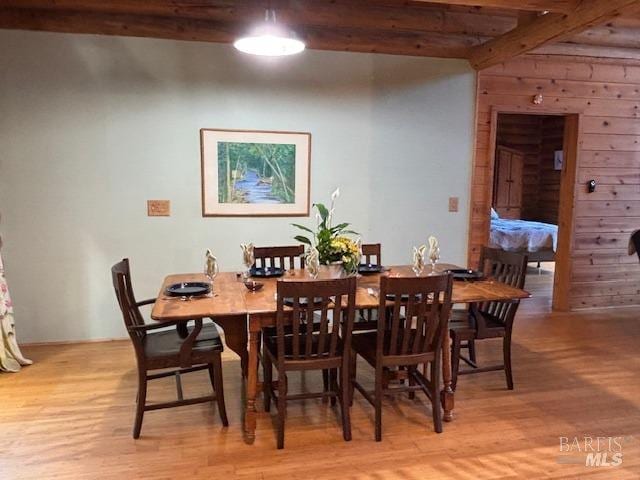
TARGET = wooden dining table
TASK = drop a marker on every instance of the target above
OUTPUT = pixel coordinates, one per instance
(243, 314)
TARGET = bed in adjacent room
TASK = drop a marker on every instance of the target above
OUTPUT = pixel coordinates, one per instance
(539, 240)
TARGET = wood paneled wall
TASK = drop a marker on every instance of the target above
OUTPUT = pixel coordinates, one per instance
(608, 96)
(537, 137)
(548, 200)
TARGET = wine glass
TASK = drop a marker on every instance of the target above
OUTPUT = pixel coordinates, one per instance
(434, 256)
(248, 259)
(211, 271)
(418, 260)
(312, 263)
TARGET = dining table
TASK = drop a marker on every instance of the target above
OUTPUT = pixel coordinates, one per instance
(243, 314)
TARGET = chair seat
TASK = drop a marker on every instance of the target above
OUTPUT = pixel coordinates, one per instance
(167, 343)
(466, 331)
(271, 343)
(459, 315)
(365, 345)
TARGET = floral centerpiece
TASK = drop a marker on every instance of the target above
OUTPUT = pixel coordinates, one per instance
(331, 242)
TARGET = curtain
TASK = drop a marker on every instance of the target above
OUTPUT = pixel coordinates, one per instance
(11, 359)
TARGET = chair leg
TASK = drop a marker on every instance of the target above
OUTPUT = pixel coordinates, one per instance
(353, 362)
(455, 360)
(411, 381)
(472, 351)
(267, 368)
(378, 403)
(345, 392)
(325, 383)
(215, 371)
(506, 350)
(333, 384)
(140, 402)
(282, 406)
(435, 395)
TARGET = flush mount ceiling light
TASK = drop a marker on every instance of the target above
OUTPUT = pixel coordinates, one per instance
(270, 40)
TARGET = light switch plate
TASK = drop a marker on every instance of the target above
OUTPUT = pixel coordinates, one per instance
(158, 208)
(453, 204)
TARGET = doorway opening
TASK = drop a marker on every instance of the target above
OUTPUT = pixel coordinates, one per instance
(530, 170)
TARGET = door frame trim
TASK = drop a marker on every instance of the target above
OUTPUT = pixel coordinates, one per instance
(572, 140)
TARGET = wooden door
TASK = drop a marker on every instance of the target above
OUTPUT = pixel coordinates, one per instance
(507, 191)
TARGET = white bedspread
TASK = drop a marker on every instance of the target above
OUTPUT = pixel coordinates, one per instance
(518, 235)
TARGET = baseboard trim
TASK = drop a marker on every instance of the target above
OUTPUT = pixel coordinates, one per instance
(77, 342)
(72, 342)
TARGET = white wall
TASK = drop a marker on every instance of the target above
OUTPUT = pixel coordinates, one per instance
(91, 127)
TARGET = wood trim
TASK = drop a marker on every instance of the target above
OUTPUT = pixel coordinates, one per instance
(566, 215)
(284, 132)
(73, 342)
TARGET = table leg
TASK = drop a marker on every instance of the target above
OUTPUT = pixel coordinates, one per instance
(235, 336)
(252, 384)
(446, 396)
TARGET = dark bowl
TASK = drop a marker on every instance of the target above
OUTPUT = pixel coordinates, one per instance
(253, 286)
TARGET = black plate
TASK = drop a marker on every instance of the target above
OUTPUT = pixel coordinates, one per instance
(465, 274)
(369, 268)
(403, 298)
(266, 272)
(302, 302)
(188, 289)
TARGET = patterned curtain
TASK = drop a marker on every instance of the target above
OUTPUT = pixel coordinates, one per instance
(11, 358)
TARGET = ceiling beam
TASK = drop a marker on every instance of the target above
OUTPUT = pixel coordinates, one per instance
(545, 29)
(299, 13)
(428, 44)
(560, 6)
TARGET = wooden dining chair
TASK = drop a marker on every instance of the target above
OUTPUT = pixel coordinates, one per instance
(302, 344)
(366, 317)
(286, 257)
(407, 337)
(372, 253)
(489, 319)
(166, 349)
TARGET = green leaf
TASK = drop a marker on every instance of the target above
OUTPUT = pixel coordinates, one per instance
(302, 239)
(302, 227)
(350, 232)
(337, 228)
(324, 212)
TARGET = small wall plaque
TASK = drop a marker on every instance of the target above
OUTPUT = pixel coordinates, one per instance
(158, 208)
(453, 204)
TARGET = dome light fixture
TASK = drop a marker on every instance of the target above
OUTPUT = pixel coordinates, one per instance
(269, 40)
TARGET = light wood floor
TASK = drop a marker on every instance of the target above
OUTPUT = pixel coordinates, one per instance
(70, 416)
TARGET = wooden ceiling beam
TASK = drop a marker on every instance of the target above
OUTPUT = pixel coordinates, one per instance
(334, 13)
(560, 6)
(545, 29)
(323, 38)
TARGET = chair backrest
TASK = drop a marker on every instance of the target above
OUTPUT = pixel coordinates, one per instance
(370, 250)
(505, 267)
(413, 315)
(299, 303)
(635, 241)
(121, 277)
(282, 257)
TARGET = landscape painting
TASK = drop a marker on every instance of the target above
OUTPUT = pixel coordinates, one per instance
(255, 173)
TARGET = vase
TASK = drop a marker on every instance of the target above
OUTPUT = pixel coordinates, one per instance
(333, 270)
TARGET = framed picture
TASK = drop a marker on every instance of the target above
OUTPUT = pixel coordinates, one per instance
(255, 173)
